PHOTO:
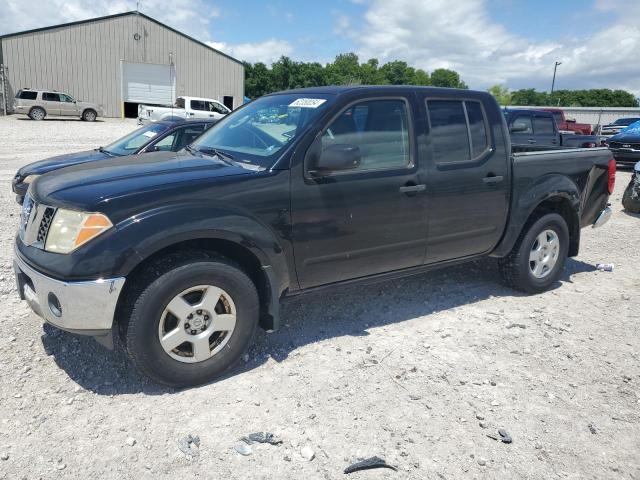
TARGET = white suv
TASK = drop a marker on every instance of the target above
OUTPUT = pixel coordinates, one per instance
(38, 104)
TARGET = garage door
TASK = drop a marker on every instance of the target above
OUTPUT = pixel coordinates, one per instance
(148, 83)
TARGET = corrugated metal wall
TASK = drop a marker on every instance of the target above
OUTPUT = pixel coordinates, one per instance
(84, 61)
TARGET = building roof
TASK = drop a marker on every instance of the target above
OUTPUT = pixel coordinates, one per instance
(107, 17)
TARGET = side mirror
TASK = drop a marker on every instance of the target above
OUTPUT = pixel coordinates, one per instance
(338, 157)
(518, 128)
(152, 148)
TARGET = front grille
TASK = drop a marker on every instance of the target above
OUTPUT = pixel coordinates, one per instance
(43, 229)
(635, 146)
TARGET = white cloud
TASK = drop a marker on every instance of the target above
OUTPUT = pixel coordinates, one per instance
(461, 35)
(192, 17)
(268, 51)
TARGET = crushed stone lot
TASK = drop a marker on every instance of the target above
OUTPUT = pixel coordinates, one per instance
(418, 371)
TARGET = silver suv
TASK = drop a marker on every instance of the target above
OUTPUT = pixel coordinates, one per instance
(38, 104)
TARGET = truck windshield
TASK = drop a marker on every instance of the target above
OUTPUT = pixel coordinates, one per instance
(130, 144)
(258, 132)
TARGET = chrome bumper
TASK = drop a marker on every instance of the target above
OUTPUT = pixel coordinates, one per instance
(82, 307)
(603, 218)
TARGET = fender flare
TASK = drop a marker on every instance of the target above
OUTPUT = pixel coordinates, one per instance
(547, 187)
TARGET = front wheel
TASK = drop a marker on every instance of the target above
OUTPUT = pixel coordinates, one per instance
(192, 323)
(538, 257)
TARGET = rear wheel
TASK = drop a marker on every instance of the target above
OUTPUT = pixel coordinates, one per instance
(539, 255)
(37, 113)
(192, 322)
(89, 115)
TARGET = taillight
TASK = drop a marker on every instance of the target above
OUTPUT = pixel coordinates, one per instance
(612, 175)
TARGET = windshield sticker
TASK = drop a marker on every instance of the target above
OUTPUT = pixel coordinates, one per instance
(307, 102)
(150, 134)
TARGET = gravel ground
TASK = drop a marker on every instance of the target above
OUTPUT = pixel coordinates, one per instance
(418, 371)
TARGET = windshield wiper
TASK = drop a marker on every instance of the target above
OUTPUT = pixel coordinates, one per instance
(214, 152)
(102, 150)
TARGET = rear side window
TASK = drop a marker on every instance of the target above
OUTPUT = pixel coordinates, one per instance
(180, 103)
(379, 128)
(27, 95)
(477, 128)
(449, 131)
(50, 97)
(199, 105)
(543, 125)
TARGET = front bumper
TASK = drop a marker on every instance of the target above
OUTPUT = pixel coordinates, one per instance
(85, 307)
(626, 156)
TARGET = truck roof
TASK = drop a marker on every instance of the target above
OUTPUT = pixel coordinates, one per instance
(341, 89)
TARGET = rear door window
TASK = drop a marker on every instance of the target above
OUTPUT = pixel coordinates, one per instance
(199, 105)
(50, 97)
(450, 138)
(543, 125)
(477, 128)
(187, 135)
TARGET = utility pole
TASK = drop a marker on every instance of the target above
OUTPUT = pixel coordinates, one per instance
(555, 67)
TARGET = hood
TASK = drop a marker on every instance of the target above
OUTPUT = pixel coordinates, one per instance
(91, 186)
(626, 137)
(48, 164)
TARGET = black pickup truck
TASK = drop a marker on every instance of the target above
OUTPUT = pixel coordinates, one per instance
(534, 130)
(185, 254)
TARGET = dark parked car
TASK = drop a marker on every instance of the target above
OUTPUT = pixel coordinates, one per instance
(167, 135)
(626, 146)
(185, 254)
(537, 130)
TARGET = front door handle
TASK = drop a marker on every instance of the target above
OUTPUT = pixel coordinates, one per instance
(531, 140)
(413, 188)
(493, 179)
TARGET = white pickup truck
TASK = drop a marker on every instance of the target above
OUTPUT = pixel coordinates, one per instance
(187, 107)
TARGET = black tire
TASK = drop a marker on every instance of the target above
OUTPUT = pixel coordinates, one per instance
(37, 113)
(631, 205)
(164, 281)
(89, 115)
(515, 267)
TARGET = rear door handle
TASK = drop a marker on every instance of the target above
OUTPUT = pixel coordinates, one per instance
(531, 140)
(493, 179)
(413, 188)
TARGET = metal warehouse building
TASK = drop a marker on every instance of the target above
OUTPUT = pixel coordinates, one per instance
(119, 61)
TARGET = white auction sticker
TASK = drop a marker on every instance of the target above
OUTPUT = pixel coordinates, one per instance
(307, 102)
(149, 134)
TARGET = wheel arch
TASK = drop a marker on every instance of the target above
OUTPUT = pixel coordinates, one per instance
(260, 272)
(550, 194)
(88, 109)
(40, 108)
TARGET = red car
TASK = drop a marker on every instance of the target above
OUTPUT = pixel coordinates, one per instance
(569, 125)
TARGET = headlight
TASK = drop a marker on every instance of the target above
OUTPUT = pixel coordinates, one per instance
(70, 229)
(30, 178)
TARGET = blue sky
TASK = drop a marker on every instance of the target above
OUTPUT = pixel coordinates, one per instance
(512, 42)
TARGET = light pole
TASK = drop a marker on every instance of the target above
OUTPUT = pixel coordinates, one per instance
(553, 82)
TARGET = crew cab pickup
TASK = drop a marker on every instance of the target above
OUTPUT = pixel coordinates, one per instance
(185, 254)
(537, 130)
(568, 125)
(185, 107)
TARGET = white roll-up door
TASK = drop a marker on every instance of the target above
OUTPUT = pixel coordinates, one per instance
(148, 83)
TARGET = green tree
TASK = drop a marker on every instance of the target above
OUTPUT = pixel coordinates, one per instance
(501, 94)
(443, 77)
(345, 70)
